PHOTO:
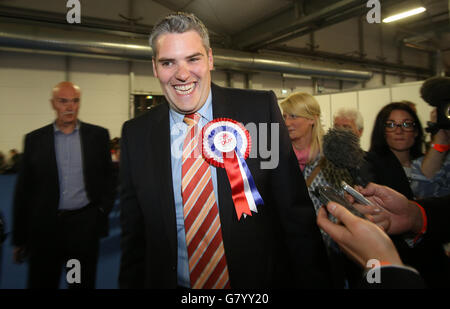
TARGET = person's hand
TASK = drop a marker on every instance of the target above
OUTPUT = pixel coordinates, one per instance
(360, 239)
(442, 136)
(398, 215)
(19, 254)
(372, 213)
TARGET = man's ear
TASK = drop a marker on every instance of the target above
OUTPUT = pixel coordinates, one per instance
(155, 73)
(210, 59)
(52, 103)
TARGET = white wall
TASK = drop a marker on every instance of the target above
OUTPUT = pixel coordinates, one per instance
(104, 85)
(370, 101)
(26, 80)
(25, 86)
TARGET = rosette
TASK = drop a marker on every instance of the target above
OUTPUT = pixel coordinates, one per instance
(226, 144)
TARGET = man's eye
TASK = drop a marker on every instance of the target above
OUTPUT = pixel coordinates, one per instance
(166, 63)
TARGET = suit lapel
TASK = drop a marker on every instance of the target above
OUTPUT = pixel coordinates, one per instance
(222, 108)
(160, 146)
(84, 142)
(49, 153)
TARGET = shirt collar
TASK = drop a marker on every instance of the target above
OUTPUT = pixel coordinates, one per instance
(205, 111)
(56, 129)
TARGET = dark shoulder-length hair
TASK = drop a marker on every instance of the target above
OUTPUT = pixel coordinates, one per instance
(378, 140)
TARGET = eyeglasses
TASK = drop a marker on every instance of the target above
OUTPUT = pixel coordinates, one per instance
(408, 126)
(65, 101)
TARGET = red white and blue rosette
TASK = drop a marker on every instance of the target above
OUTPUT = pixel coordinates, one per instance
(226, 143)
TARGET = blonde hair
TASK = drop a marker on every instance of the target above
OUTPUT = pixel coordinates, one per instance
(305, 105)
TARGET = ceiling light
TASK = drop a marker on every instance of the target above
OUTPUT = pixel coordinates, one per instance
(404, 14)
(295, 76)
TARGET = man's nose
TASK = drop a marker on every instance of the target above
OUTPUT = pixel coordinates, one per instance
(398, 129)
(182, 73)
(70, 104)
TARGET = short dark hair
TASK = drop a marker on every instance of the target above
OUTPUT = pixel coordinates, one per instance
(378, 139)
(179, 22)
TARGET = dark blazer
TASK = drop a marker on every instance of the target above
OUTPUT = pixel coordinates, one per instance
(392, 277)
(385, 169)
(438, 217)
(279, 246)
(36, 196)
(428, 256)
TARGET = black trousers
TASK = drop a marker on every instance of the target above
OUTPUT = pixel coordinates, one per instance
(76, 239)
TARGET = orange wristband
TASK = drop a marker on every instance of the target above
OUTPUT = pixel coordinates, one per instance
(440, 147)
(425, 223)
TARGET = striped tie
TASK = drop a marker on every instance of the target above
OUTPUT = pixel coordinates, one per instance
(207, 263)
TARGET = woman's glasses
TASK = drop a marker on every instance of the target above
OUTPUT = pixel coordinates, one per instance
(391, 126)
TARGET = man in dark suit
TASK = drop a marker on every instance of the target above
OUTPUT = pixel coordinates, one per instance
(279, 246)
(64, 192)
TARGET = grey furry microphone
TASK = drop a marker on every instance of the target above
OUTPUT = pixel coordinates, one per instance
(341, 147)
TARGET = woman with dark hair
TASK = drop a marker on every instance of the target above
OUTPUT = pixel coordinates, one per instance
(396, 154)
(396, 146)
(396, 141)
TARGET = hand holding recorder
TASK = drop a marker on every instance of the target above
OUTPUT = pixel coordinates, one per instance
(399, 215)
(360, 239)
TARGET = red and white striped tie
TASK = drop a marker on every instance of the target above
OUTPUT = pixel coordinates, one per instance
(207, 263)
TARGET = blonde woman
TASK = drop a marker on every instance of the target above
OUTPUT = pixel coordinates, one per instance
(301, 113)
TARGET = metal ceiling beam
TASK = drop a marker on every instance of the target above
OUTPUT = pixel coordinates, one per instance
(358, 61)
(30, 16)
(307, 30)
(287, 21)
(67, 40)
(177, 8)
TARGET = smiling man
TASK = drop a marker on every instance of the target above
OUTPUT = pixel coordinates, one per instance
(183, 64)
(64, 192)
(180, 227)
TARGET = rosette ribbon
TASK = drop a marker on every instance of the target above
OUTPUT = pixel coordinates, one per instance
(226, 143)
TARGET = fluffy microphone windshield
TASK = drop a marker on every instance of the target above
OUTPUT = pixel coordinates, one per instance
(341, 147)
